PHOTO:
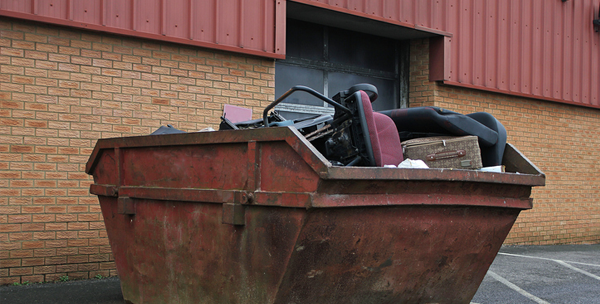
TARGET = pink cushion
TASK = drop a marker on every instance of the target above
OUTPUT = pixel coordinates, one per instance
(385, 140)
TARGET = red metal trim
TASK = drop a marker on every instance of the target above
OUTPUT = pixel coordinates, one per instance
(104, 190)
(177, 194)
(70, 9)
(102, 28)
(102, 12)
(430, 30)
(163, 17)
(118, 163)
(181, 140)
(296, 140)
(191, 19)
(282, 199)
(241, 24)
(234, 214)
(357, 173)
(125, 206)
(253, 170)
(325, 200)
(258, 198)
(439, 58)
(280, 27)
(216, 24)
(95, 158)
(403, 199)
(265, 26)
(133, 15)
(309, 153)
(312, 157)
(508, 92)
(374, 17)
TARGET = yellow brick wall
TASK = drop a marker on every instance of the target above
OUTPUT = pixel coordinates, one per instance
(62, 89)
(562, 140)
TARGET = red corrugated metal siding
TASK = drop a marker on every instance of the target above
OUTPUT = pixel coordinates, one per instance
(543, 49)
(247, 26)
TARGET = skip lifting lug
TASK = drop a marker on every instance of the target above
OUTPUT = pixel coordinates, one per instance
(234, 213)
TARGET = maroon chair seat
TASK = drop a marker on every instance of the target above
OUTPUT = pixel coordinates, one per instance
(382, 133)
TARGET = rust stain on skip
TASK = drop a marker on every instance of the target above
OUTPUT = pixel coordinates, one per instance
(259, 216)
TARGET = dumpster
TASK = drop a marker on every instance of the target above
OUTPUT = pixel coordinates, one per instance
(261, 216)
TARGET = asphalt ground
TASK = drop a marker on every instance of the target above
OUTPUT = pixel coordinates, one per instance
(94, 291)
(563, 274)
(568, 274)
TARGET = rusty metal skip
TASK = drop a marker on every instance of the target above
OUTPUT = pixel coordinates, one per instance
(260, 216)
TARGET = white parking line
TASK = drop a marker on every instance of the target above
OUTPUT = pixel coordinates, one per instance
(578, 270)
(547, 259)
(516, 288)
(563, 263)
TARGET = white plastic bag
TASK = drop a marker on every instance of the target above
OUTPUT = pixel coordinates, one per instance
(413, 163)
